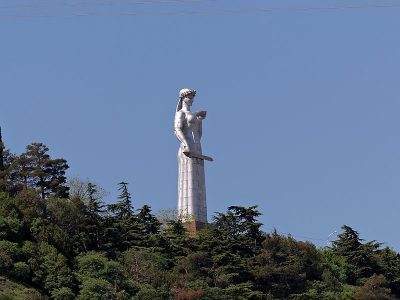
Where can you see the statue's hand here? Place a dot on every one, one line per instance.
(186, 149)
(201, 114)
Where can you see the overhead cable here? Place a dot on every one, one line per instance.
(207, 12)
(33, 5)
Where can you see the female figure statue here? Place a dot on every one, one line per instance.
(192, 206)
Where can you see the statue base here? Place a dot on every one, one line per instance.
(193, 227)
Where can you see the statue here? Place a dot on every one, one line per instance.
(192, 206)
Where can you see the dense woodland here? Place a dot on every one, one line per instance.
(59, 240)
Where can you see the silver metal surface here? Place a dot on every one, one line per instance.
(192, 204)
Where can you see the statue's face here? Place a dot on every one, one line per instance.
(188, 100)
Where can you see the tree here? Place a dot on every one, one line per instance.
(150, 223)
(5, 160)
(243, 291)
(231, 241)
(49, 268)
(87, 198)
(19, 173)
(145, 267)
(389, 261)
(95, 206)
(10, 253)
(174, 241)
(63, 226)
(195, 266)
(238, 230)
(87, 192)
(284, 266)
(96, 288)
(122, 227)
(149, 227)
(147, 292)
(10, 228)
(6, 182)
(374, 289)
(63, 293)
(101, 278)
(35, 168)
(123, 209)
(361, 260)
(2, 148)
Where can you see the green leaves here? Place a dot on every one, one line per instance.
(36, 169)
(96, 288)
(360, 259)
(101, 278)
(78, 248)
(49, 267)
(238, 231)
(284, 265)
(9, 254)
(10, 228)
(145, 267)
(243, 291)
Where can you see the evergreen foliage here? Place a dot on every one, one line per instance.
(60, 241)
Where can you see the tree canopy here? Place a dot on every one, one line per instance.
(59, 240)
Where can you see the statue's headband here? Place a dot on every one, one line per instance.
(186, 92)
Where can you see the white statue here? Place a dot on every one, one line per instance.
(192, 206)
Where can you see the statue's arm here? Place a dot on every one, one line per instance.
(201, 115)
(178, 129)
(201, 129)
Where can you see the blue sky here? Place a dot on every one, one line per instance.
(302, 105)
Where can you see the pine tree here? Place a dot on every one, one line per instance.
(239, 230)
(95, 206)
(150, 223)
(36, 169)
(94, 215)
(123, 209)
(284, 265)
(360, 258)
(123, 229)
(389, 260)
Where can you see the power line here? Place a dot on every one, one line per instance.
(206, 12)
(28, 5)
(327, 240)
(298, 236)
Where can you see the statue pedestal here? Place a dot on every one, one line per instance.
(193, 227)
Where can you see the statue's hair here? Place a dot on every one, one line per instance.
(182, 94)
(179, 106)
(186, 92)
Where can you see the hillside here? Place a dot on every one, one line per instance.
(60, 237)
(10, 290)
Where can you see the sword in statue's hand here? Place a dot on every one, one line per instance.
(198, 156)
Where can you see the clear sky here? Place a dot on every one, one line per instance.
(303, 105)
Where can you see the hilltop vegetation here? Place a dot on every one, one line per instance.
(60, 241)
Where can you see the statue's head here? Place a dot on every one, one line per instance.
(187, 96)
(187, 93)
